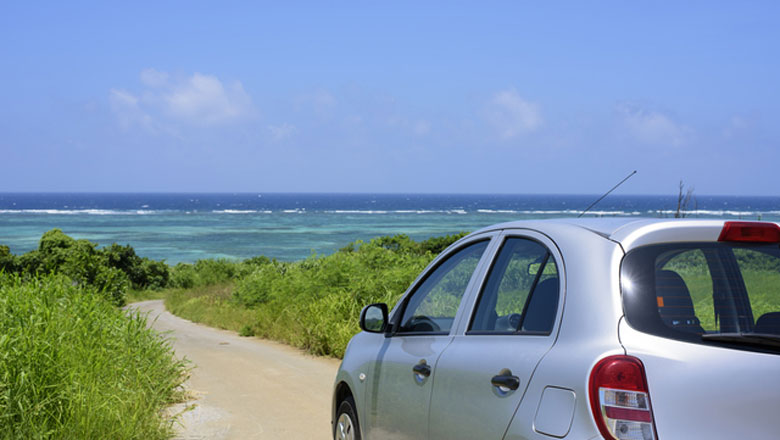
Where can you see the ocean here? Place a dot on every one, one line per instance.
(186, 227)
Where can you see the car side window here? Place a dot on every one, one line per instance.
(432, 307)
(521, 291)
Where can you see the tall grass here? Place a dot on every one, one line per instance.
(210, 305)
(73, 366)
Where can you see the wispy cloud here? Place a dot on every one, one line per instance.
(196, 100)
(127, 110)
(652, 127)
(512, 115)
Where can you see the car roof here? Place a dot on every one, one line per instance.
(628, 231)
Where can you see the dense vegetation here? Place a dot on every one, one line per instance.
(72, 364)
(111, 270)
(312, 304)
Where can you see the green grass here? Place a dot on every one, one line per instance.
(74, 366)
(210, 305)
(312, 304)
(144, 295)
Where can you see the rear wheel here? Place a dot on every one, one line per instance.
(347, 427)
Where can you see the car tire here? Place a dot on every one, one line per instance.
(346, 426)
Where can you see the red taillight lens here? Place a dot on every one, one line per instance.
(752, 232)
(620, 400)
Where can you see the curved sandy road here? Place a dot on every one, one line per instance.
(247, 388)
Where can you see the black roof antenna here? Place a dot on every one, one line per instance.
(606, 194)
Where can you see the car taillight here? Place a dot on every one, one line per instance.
(752, 232)
(620, 400)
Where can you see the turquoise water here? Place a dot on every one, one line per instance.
(187, 227)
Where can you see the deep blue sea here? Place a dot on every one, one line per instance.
(186, 227)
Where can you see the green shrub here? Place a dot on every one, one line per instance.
(246, 330)
(74, 366)
(213, 272)
(183, 276)
(7, 260)
(156, 274)
(111, 270)
(314, 303)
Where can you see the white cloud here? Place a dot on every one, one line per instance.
(127, 110)
(653, 127)
(197, 100)
(202, 99)
(281, 132)
(512, 115)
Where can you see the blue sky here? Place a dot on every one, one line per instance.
(496, 97)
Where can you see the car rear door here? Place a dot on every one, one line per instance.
(399, 382)
(483, 373)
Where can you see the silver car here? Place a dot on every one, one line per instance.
(577, 329)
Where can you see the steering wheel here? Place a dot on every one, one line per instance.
(422, 323)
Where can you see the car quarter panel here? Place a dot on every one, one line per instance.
(699, 391)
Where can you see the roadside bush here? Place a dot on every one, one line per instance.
(213, 272)
(74, 366)
(111, 270)
(183, 276)
(156, 274)
(314, 303)
(257, 287)
(7, 260)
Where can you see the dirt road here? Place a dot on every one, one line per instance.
(247, 388)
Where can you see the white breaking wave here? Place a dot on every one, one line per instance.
(398, 211)
(354, 211)
(555, 212)
(241, 211)
(75, 211)
(715, 213)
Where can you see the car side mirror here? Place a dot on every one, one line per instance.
(373, 318)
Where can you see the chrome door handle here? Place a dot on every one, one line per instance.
(506, 381)
(422, 369)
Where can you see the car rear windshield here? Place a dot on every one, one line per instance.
(710, 293)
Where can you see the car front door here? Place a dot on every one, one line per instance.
(483, 373)
(400, 380)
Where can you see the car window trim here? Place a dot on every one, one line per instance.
(502, 239)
